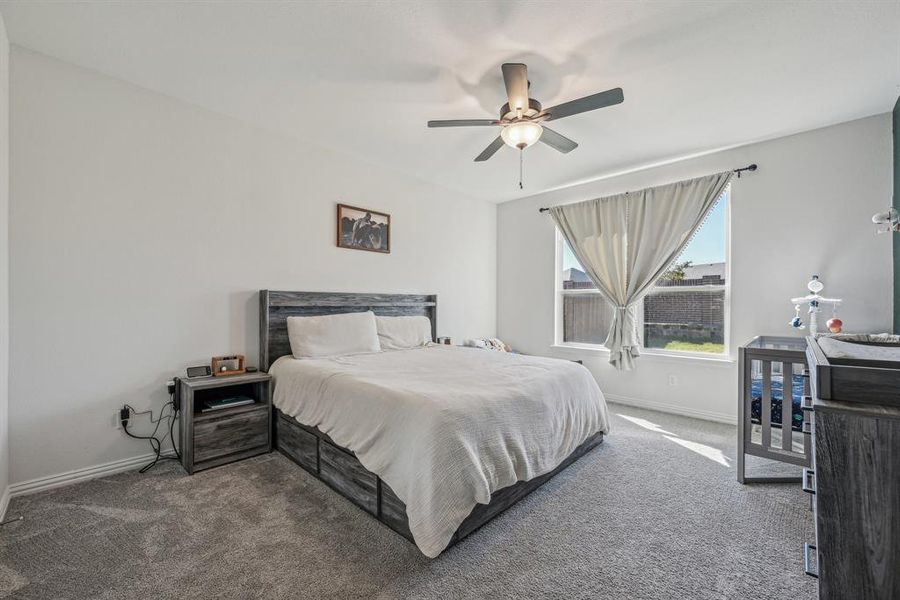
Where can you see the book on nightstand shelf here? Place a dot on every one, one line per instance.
(220, 403)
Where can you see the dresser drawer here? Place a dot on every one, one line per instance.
(238, 431)
(346, 474)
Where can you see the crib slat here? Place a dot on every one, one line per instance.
(765, 403)
(748, 395)
(787, 404)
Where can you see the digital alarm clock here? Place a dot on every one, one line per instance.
(201, 371)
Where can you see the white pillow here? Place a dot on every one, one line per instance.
(333, 335)
(399, 333)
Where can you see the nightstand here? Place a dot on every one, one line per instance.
(217, 437)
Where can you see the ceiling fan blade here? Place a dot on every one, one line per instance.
(490, 150)
(557, 141)
(463, 123)
(592, 102)
(515, 76)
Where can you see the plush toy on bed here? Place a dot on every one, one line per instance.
(489, 344)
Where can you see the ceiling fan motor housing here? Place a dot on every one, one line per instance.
(533, 110)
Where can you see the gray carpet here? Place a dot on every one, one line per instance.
(652, 513)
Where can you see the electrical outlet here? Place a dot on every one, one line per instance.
(673, 380)
(119, 414)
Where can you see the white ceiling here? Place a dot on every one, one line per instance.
(364, 77)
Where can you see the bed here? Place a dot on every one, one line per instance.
(432, 441)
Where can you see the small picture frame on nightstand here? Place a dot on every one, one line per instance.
(227, 366)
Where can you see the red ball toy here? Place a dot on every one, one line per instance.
(834, 325)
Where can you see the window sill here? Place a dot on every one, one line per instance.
(715, 359)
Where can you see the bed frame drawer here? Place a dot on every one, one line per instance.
(228, 434)
(342, 471)
(301, 446)
(393, 512)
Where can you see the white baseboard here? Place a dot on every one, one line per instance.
(61, 479)
(4, 503)
(674, 409)
(127, 464)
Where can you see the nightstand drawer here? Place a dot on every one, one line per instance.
(236, 431)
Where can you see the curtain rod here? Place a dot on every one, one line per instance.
(750, 168)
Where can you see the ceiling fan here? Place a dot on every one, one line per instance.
(522, 118)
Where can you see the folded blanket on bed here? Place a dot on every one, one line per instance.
(445, 426)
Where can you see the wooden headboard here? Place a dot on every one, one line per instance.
(275, 307)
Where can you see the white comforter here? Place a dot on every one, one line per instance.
(445, 426)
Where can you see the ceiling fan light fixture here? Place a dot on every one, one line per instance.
(521, 134)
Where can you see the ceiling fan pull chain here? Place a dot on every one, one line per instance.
(521, 168)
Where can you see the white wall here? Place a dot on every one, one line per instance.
(806, 210)
(142, 227)
(4, 267)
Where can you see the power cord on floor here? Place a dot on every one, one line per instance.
(128, 412)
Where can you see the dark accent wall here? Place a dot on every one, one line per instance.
(896, 236)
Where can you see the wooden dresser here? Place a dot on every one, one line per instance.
(855, 477)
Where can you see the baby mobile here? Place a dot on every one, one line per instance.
(813, 300)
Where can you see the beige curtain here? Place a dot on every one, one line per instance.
(626, 242)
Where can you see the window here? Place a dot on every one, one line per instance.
(686, 311)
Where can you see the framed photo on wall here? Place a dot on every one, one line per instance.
(363, 229)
